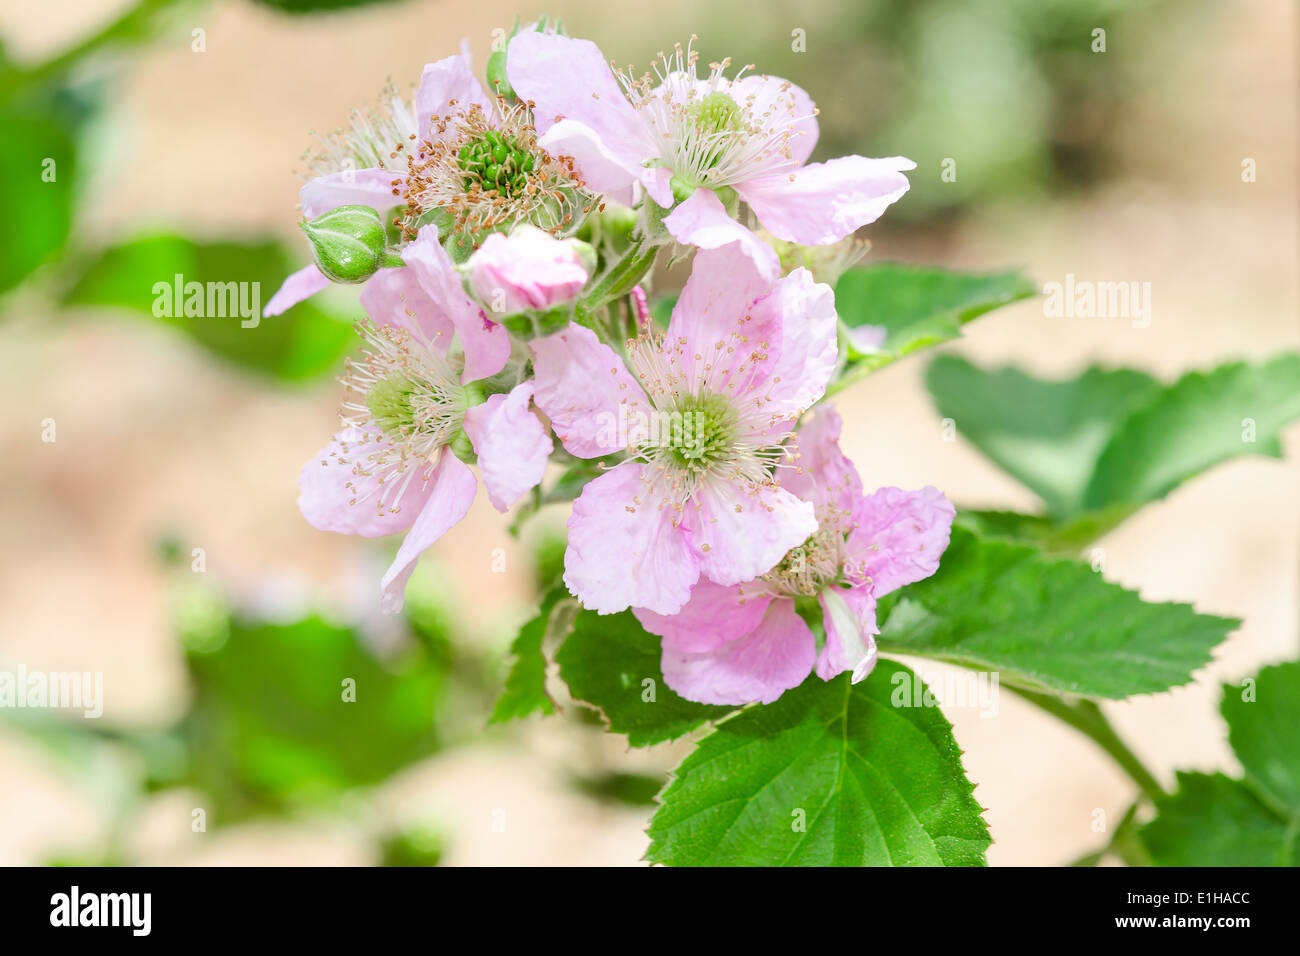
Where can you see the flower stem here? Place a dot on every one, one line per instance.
(1087, 718)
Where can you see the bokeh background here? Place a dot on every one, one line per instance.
(220, 686)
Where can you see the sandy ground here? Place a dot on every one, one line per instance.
(153, 436)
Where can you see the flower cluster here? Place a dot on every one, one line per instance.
(505, 239)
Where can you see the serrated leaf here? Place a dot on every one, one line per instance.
(1263, 728)
(918, 306)
(612, 662)
(1194, 424)
(525, 688)
(1046, 624)
(1057, 539)
(141, 275)
(1215, 821)
(832, 774)
(1046, 434)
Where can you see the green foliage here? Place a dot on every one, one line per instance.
(37, 176)
(525, 690)
(612, 662)
(141, 275)
(832, 774)
(1097, 447)
(919, 307)
(1046, 624)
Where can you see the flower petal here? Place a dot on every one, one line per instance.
(900, 536)
(300, 286)
(825, 476)
(775, 657)
(486, 344)
(824, 202)
(326, 491)
(447, 88)
(702, 221)
(566, 78)
(741, 531)
(350, 187)
(584, 388)
(714, 615)
(395, 297)
(777, 104)
(809, 342)
(849, 615)
(603, 170)
(625, 549)
(450, 496)
(511, 443)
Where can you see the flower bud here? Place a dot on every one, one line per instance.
(528, 271)
(348, 243)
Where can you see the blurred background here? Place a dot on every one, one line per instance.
(157, 539)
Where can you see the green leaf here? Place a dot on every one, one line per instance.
(1058, 539)
(1046, 434)
(316, 6)
(1194, 424)
(1216, 821)
(525, 690)
(1046, 624)
(1262, 728)
(612, 662)
(141, 275)
(271, 728)
(918, 306)
(832, 774)
(37, 208)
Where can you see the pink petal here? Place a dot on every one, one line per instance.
(395, 297)
(583, 387)
(702, 221)
(326, 500)
(486, 344)
(809, 342)
(849, 615)
(760, 666)
(740, 531)
(779, 104)
(350, 187)
(824, 476)
(569, 79)
(602, 170)
(301, 285)
(713, 616)
(451, 494)
(511, 444)
(900, 536)
(824, 202)
(448, 88)
(625, 548)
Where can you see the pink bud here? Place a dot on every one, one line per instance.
(529, 270)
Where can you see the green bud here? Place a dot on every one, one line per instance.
(526, 326)
(348, 242)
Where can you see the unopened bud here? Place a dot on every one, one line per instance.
(348, 243)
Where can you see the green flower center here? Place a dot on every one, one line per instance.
(389, 401)
(717, 113)
(702, 432)
(496, 162)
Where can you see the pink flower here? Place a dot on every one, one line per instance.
(752, 134)
(703, 412)
(529, 270)
(407, 419)
(736, 645)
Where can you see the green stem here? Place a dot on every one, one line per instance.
(1087, 718)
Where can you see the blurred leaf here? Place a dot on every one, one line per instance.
(1215, 821)
(417, 846)
(37, 173)
(832, 774)
(1262, 728)
(627, 789)
(1057, 539)
(1046, 434)
(316, 6)
(918, 306)
(236, 280)
(1194, 424)
(270, 728)
(612, 662)
(525, 690)
(1046, 624)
